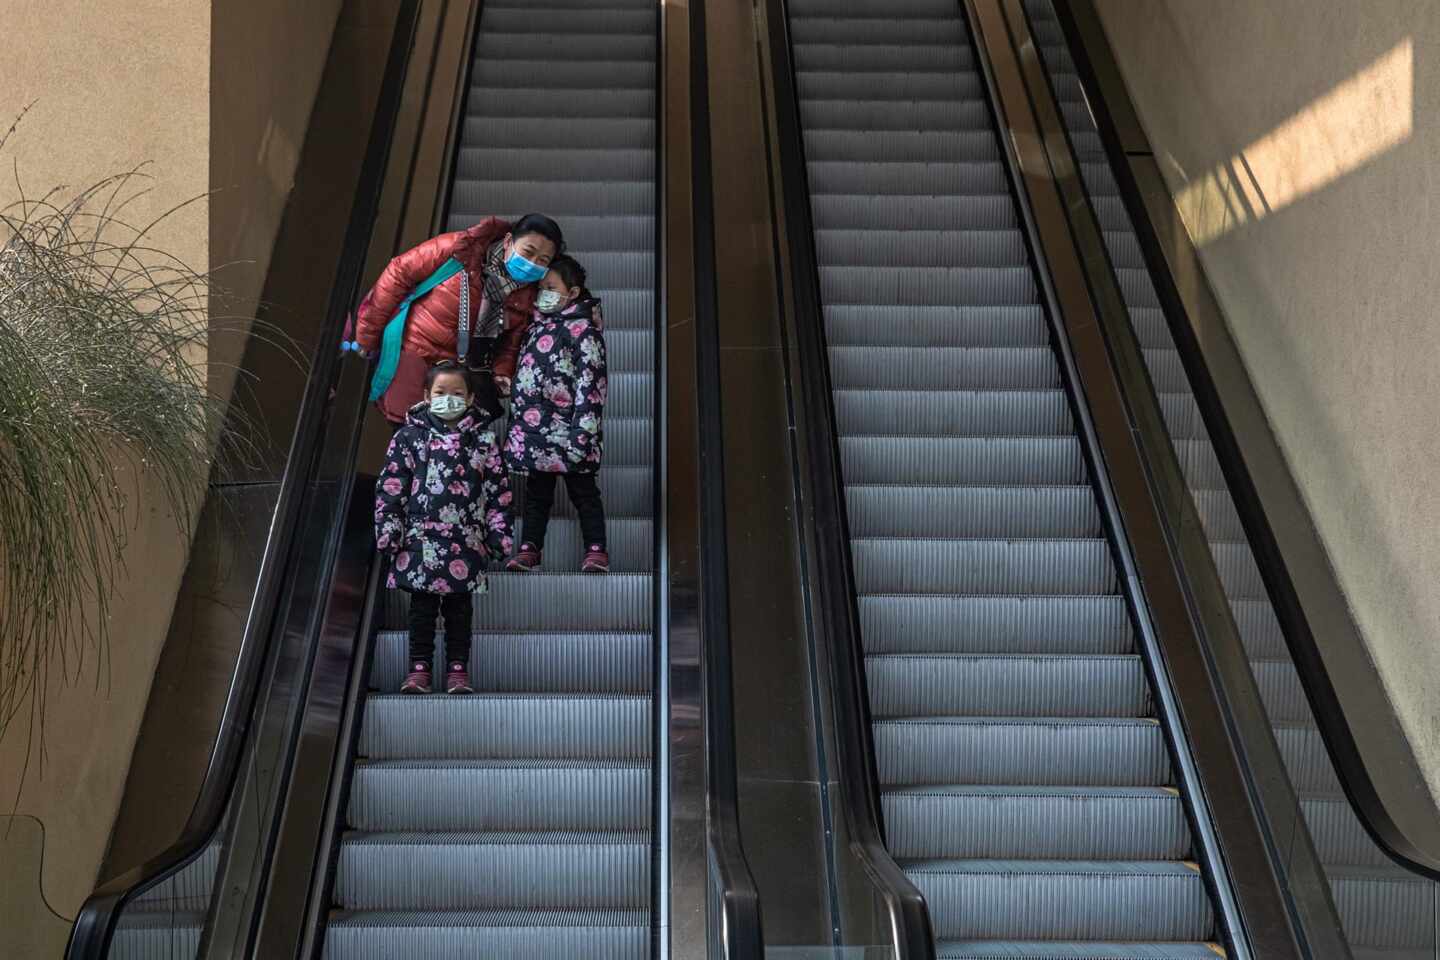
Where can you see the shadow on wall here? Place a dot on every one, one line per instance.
(1313, 224)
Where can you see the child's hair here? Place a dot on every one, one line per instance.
(570, 271)
(448, 366)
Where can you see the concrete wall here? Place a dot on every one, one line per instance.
(212, 96)
(1302, 143)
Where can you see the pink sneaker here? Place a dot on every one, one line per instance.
(596, 560)
(419, 679)
(457, 679)
(525, 560)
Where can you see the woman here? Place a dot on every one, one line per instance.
(501, 262)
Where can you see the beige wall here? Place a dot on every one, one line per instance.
(116, 83)
(1302, 142)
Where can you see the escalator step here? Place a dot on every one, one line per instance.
(882, 59)
(1306, 759)
(532, 133)
(862, 8)
(607, 48)
(1280, 689)
(531, 662)
(903, 84)
(952, 413)
(625, 199)
(610, 18)
(919, 286)
(584, 236)
(547, 934)
(499, 727)
(480, 871)
(1022, 326)
(1384, 907)
(861, 210)
(1042, 823)
(943, 368)
(1017, 625)
(1000, 567)
(905, 179)
(1075, 950)
(919, 248)
(1127, 752)
(1064, 899)
(990, 685)
(893, 115)
(1338, 836)
(526, 601)
(626, 92)
(955, 460)
(963, 512)
(570, 165)
(471, 796)
(866, 30)
(149, 934)
(189, 888)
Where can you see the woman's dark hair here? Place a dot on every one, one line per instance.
(541, 224)
(448, 366)
(570, 270)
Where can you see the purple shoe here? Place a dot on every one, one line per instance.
(419, 679)
(525, 560)
(457, 679)
(596, 560)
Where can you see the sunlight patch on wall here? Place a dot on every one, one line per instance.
(1362, 118)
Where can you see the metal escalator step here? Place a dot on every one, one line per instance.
(1137, 288)
(861, 8)
(862, 210)
(577, 19)
(628, 198)
(547, 934)
(530, 662)
(1064, 899)
(1337, 833)
(479, 871)
(1259, 629)
(548, 46)
(919, 248)
(1198, 462)
(1384, 907)
(971, 511)
(1124, 249)
(809, 28)
(1182, 416)
(1010, 685)
(629, 540)
(525, 601)
(1075, 950)
(999, 567)
(952, 413)
(1238, 570)
(1127, 752)
(1043, 823)
(1110, 211)
(902, 84)
(498, 727)
(149, 934)
(921, 286)
(888, 115)
(630, 394)
(498, 98)
(629, 441)
(1218, 515)
(909, 179)
(529, 6)
(1166, 371)
(628, 350)
(1037, 625)
(597, 133)
(470, 796)
(571, 165)
(882, 58)
(1022, 326)
(1281, 692)
(189, 888)
(943, 368)
(1306, 759)
(955, 460)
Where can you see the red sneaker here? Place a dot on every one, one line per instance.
(457, 679)
(525, 560)
(419, 679)
(596, 560)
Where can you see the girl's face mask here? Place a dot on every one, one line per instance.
(550, 301)
(449, 406)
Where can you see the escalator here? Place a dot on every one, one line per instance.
(517, 821)
(1026, 785)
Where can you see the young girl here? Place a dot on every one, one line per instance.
(442, 511)
(555, 415)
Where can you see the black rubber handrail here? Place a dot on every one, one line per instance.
(1360, 788)
(835, 610)
(739, 926)
(94, 927)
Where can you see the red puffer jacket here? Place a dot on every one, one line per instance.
(434, 321)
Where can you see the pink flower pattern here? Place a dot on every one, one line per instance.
(559, 393)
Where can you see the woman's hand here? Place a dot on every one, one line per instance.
(502, 384)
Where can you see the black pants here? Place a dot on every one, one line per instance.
(584, 490)
(455, 607)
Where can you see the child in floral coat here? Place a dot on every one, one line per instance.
(556, 409)
(442, 512)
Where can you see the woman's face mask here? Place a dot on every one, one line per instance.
(522, 268)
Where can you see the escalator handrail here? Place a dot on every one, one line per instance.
(94, 926)
(835, 607)
(739, 924)
(1361, 791)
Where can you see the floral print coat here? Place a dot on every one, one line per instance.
(558, 398)
(442, 503)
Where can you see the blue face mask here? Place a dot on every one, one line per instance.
(522, 270)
